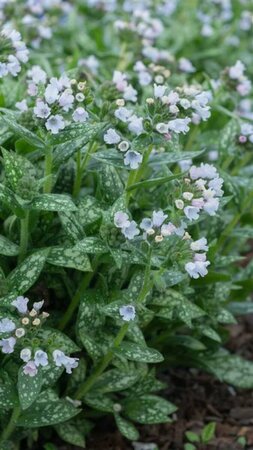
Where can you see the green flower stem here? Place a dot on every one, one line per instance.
(87, 385)
(7, 432)
(78, 177)
(77, 297)
(232, 224)
(48, 171)
(24, 236)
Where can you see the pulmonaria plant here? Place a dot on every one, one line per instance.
(14, 52)
(26, 330)
(126, 204)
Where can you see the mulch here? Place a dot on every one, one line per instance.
(200, 399)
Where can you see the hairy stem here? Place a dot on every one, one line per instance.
(105, 361)
(7, 432)
(24, 236)
(78, 177)
(48, 171)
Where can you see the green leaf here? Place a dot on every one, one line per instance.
(8, 198)
(148, 409)
(71, 225)
(111, 183)
(92, 245)
(230, 369)
(25, 275)
(8, 248)
(89, 211)
(71, 257)
(139, 353)
(115, 380)
(28, 388)
(11, 120)
(70, 433)
(99, 402)
(52, 202)
(208, 432)
(73, 138)
(228, 137)
(189, 446)
(16, 168)
(192, 437)
(47, 410)
(8, 394)
(57, 339)
(153, 182)
(126, 428)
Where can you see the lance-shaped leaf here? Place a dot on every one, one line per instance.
(71, 434)
(11, 120)
(8, 198)
(73, 138)
(16, 167)
(139, 353)
(26, 274)
(8, 248)
(8, 393)
(111, 183)
(52, 202)
(126, 428)
(47, 410)
(230, 369)
(71, 225)
(72, 257)
(57, 340)
(29, 387)
(92, 245)
(148, 409)
(115, 380)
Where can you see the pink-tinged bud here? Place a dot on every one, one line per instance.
(167, 136)
(242, 139)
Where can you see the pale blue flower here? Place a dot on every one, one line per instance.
(7, 325)
(8, 345)
(127, 312)
(21, 304)
(40, 358)
(131, 231)
(132, 159)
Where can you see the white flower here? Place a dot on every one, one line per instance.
(203, 171)
(41, 110)
(123, 146)
(130, 94)
(13, 65)
(112, 137)
(30, 369)
(179, 125)
(144, 78)
(21, 304)
(200, 244)
(22, 106)
(236, 72)
(8, 345)
(37, 74)
(121, 220)
(197, 268)
(51, 93)
(119, 79)
(20, 332)
(58, 357)
(80, 115)
(123, 114)
(55, 124)
(211, 206)
(216, 185)
(192, 212)
(159, 91)
(158, 217)
(61, 359)
(3, 69)
(25, 354)
(131, 231)
(186, 65)
(66, 100)
(7, 325)
(40, 358)
(38, 305)
(127, 312)
(136, 125)
(146, 224)
(132, 159)
(162, 128)
(168, 229)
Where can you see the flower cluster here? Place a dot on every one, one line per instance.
(240, 81)
(198, 266)
(14, 52)
(18, 332)
(57, 101)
